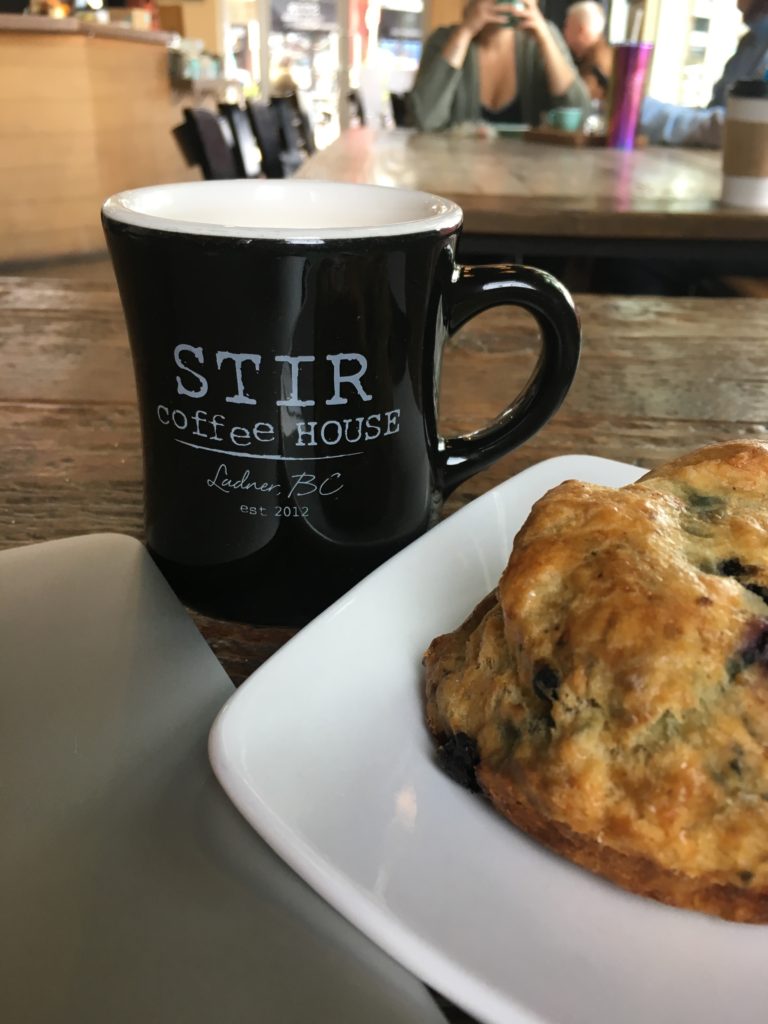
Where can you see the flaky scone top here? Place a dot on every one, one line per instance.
(621, 682)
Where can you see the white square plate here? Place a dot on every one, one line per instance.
(324, 750)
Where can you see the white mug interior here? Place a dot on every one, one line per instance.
(293, 210)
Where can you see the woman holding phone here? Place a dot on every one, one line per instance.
(504, 62)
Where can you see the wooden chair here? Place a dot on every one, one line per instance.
(356, 106)
(293, 152)
(246, 149)
(400, 108)
(188, 142)
(209, 139)
(266, 127)
(295, 124)
(307, 130)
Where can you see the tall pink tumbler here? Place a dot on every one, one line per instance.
(630, 68)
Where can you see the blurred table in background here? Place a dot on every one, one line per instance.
(522, 198)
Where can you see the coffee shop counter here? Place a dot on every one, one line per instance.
(87, 111)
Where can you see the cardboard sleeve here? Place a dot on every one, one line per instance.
(745, 149)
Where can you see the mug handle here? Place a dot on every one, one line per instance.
(475, 289)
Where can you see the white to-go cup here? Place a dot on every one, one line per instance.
(745, 148)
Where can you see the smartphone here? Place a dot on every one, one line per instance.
(512, 18)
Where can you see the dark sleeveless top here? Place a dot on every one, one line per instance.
(511, 114)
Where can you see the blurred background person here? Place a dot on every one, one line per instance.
(584, 32)
(284, 84)
(751, 57)
(490, 69)
(703, 126)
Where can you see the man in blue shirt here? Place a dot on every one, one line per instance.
(751, 57)
(697, 126)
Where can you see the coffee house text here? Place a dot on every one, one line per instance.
(340, 374)
(307, 434)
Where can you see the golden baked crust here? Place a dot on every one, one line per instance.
(612, 697)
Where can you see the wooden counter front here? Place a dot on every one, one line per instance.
(86, 112)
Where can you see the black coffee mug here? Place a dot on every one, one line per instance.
(286, 338)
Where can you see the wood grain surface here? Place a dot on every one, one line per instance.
(658, 377)
(507, 186)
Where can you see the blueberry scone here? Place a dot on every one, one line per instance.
(611, 696)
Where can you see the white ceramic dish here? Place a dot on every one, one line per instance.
(324, 751)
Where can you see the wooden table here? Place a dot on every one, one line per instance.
(658, 377)
(532, 198)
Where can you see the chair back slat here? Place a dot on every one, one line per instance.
(246, 148)
(205, 136)
(266, 127)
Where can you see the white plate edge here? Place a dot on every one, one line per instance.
(383, 927)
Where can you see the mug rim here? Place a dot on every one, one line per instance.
(138, 208)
